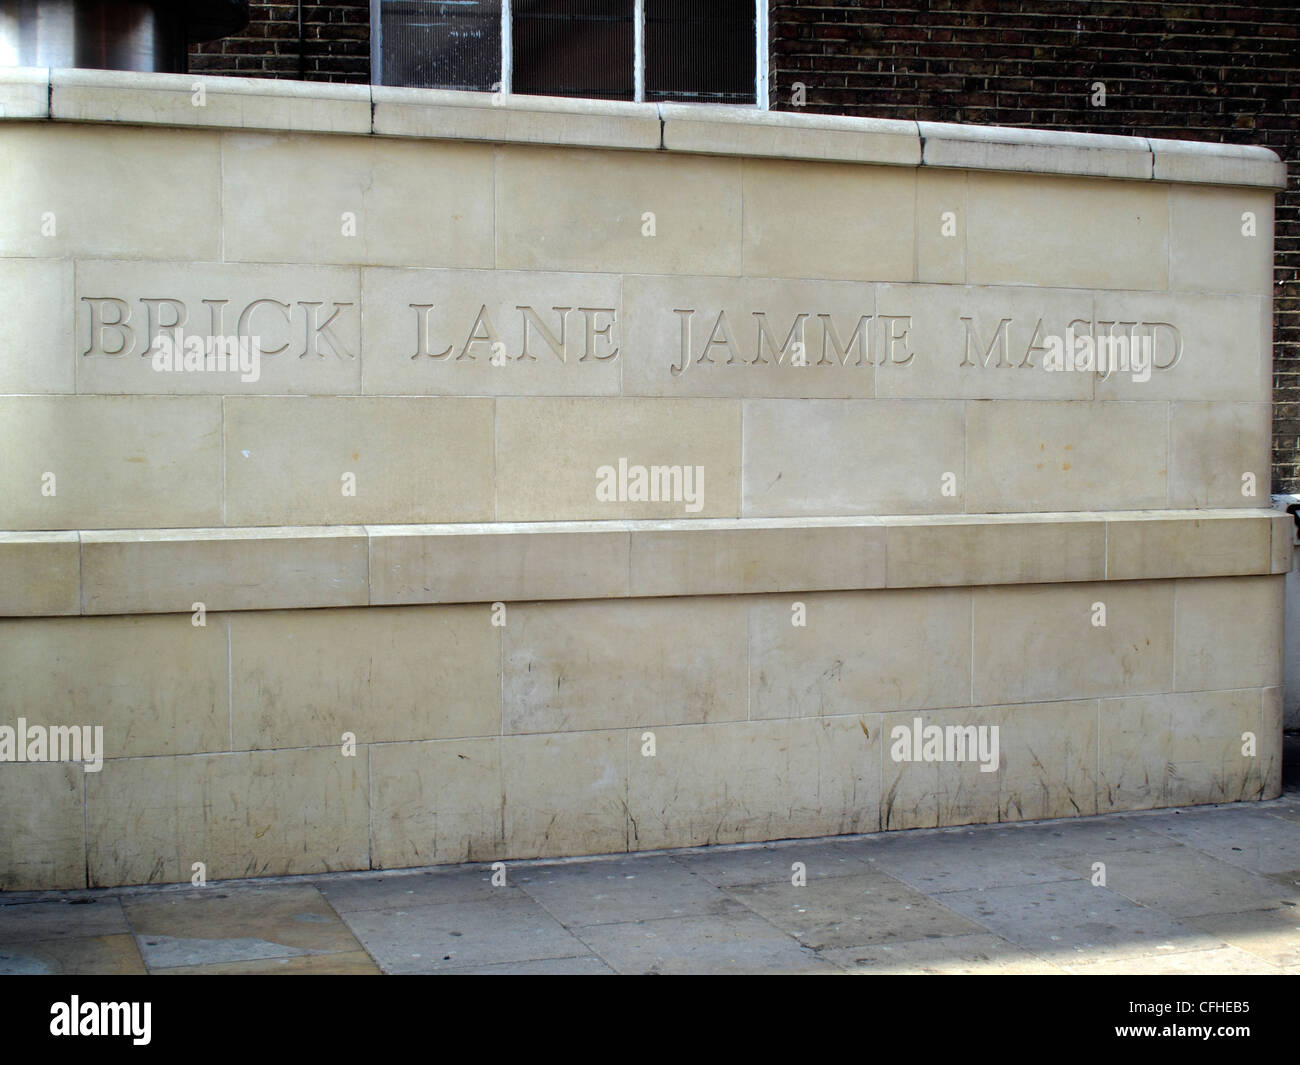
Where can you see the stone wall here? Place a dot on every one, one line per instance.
(398, 599)
(1212, 72)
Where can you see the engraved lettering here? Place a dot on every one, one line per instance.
(531, 321)
(591, 332)
(315, 331)
(246, 315)
(685, 316)
(488, 336)
(99, 326)
(860, 336)
(422, 332)
(765, 337)
(971, 338)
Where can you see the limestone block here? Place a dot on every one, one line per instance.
(723, 336)
(563, 459)
(746, 556)
(1040, 151)
(434, 332)
(1207, 163)
(1046, 456)
(109, 462)
(941, 226)
(755, 780)
(39, 574)
(849, 651)
(502, 562)
(251, 813)
(1178, 750)
(1229, 633)
(958, 550)
(565, 794)
(158, 571)
(978, 342)
(1219, 454)
(1219, 347)
(1040, 642)
(155, 685)
(36, 331)
(304, 678)
(1150, 546)
(143, 326)
(726, 130)
(436, 802)
(109, 192)
(603, 665)
(1220, 240)
(43, 845)
(1066, 232)
(194, 100)
(830, 457)
(586, 210)
(1042, 761)
(372, 201)
(829, 220)
(451, 115)
(411, 460)
(25, 92)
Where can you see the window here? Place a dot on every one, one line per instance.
(656, 50)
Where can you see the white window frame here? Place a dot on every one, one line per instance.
(638, 59)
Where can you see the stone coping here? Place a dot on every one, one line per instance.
(289, 106)
(147, 571)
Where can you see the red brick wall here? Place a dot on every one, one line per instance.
(1216, 72)
(335, 46)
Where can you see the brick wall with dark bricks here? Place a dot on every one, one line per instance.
(1218, 72)
(334, 46)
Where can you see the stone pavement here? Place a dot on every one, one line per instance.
(1198, 890)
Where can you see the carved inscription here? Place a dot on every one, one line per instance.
(304, 328)
(578, 332)
(592, 340)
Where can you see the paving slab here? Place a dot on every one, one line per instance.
(732, 941)
(1216, 961)
(1063, 920)
(115, 955)
(589, 965)
(973, 954)
(1270, 935)
(487, 932)
(26, 920)
(937, 863)
(213, 926)
(847, 911)
(1256, 839)
(770, 864)
(348, 963)
(1184, 882)
(636, 889)
(407, 888)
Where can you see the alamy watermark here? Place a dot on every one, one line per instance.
(1103, 356)
(196, 354)
(53, 743)
(946, 743)
(651, 484)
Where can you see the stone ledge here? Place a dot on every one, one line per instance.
(446, 114)
(1035, 151)
(166, 571)
(25, 93)
(228, 103)
(255, 103)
